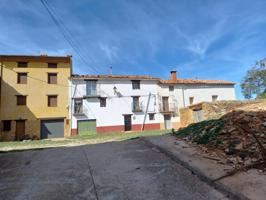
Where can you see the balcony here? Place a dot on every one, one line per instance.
(137, 107)
(94, 94)
(92, 91)
(168, 108)
(79, 111)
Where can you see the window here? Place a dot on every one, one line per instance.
(171, 88)
(21, 100)
(22, 64)
(52, 65)
(151, 116)
(135, 85)
(78, 106)
(91, 88)
(6, 125)
(102, 102)
(191, 100)
(214, 97)
(136, 105)
(52, 78)
(52, 100)
(22, 78)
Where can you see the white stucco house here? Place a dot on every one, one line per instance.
(111, 103)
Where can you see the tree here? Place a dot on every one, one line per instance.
(254, 83)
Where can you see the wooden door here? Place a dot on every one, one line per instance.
(20, 129)
(128, 124)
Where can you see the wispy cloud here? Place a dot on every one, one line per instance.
(210, 39)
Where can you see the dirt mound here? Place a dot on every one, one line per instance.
(238, 136)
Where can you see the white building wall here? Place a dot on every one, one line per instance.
(117, 105)
(200, 93)
(120, 104)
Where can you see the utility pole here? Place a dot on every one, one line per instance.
(146, 111)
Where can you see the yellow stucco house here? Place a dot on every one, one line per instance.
(34, 96)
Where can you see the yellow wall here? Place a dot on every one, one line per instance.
(36, 90)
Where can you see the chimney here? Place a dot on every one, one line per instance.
(173, 75)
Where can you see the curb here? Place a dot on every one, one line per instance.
(216, 185)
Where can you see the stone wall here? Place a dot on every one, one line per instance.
(212, 110)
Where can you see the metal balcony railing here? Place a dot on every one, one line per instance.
(79, 111)
(168, 107)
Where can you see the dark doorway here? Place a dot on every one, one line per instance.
(20, 129)
(128, 124)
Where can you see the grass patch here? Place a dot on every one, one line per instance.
(76, 140)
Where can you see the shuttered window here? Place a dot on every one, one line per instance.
(52, 78)
(52, 65)
(21, 100)
(22, 78)
(52, 100)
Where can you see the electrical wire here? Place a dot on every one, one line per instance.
(65, 32)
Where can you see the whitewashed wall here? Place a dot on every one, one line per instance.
(201, 93)
(116, 107)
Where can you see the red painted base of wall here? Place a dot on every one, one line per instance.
(74, 131)
(120, 128)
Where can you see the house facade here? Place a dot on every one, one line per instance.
(107, 103)
(34, 96)
(175, 94)
(113, 103)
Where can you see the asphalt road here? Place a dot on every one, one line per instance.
(117, 170)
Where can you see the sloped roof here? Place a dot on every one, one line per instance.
(133, 77)
(35, 58)
(196, 81)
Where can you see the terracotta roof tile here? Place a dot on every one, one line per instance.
(114, 77)
(196, 81)
(35, 58)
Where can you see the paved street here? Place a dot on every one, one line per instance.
(117, 170)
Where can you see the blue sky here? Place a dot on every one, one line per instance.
(199, 38)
